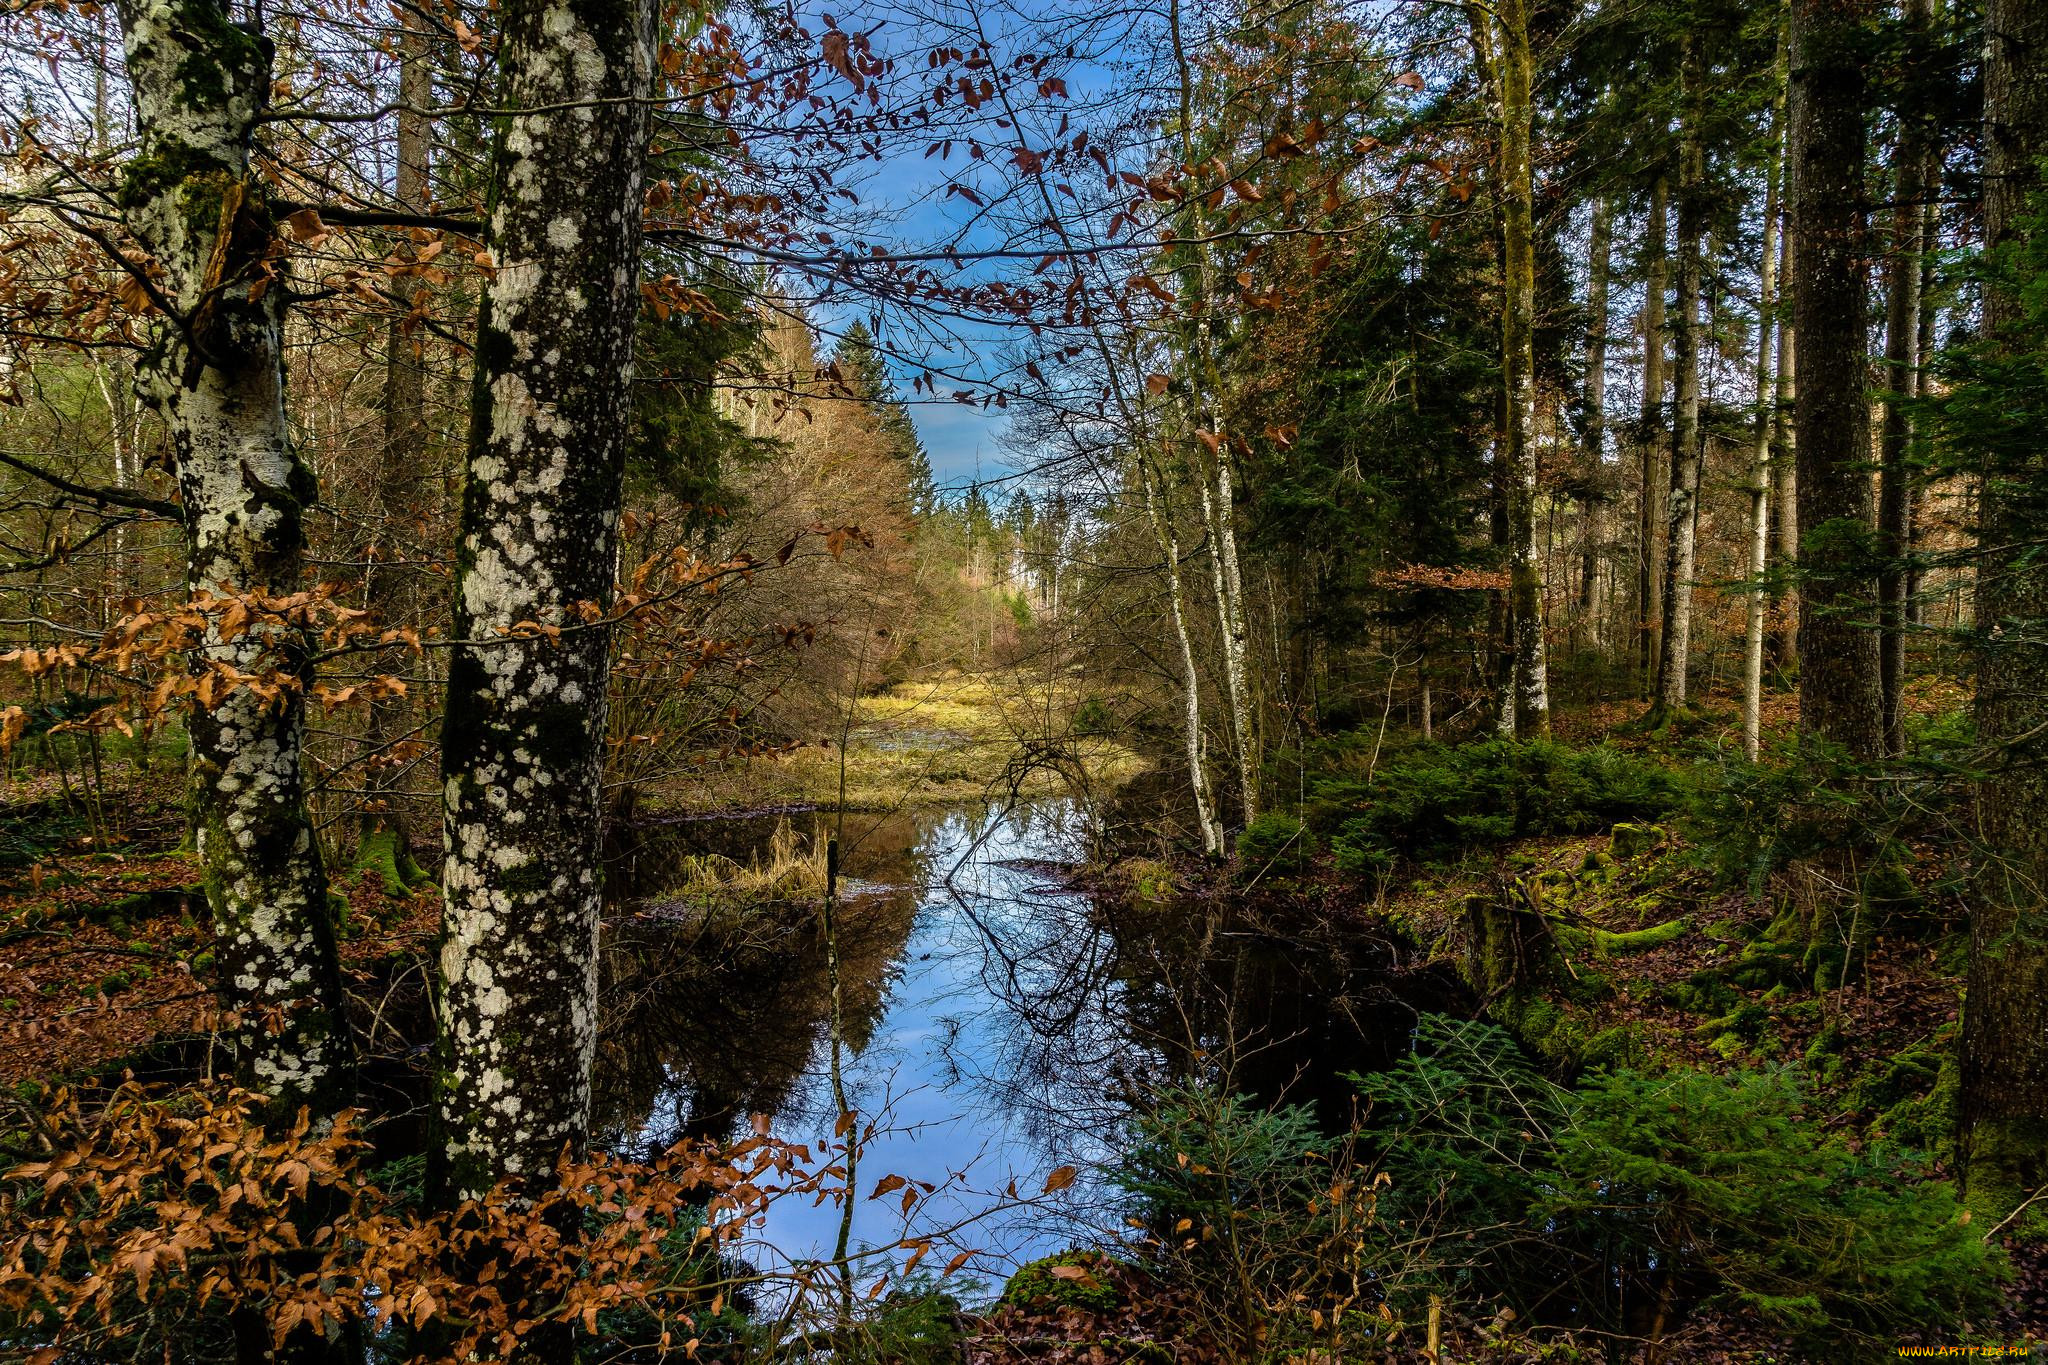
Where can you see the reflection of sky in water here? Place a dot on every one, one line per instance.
(990, 1062)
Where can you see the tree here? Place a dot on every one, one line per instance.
(2004, 1102)
(864, 375)
(1674, 651)
(1525, 710)
(215, 375)
(523, 734)
(1902, 370)
(1839, 697)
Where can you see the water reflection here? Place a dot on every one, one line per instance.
(982, 1009)
(999, 1022)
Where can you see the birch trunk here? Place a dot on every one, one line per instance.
(1760, 449)
(2004, 1103)
(1839, 697)
(1218, 474)
(1902, 368)
(1681, 542)
(1650, 509)
(1161, 517)
(523, 738)
(216, 378)
(1593, 480)
(1784, 642)
(1529, 685)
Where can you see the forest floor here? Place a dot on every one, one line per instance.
(948, 740)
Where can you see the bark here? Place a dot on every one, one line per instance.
(1902, 370)
(403, 482)
(1838, 684)
(1161, 517)
(216, 378)
(523, 737)
(1593, 478)
(1218, 472)
(1650, 523)
(2004, 1103)
(1528, 681)
(1674, 649)
(1784, 641)
(1760, 448)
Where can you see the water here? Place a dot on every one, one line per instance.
(998, 1023)
(985, 1030)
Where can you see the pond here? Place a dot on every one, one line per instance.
(985, 1032)
(998, 1023)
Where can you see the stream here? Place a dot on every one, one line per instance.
(985, 1026)
(998, 1024)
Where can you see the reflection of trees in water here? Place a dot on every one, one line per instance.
(1059, 1011)
(1268, 998)
(716, 1011)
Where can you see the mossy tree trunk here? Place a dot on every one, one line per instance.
(216, 377)
(1839, 696)
(523, 736)
(2004, 1103)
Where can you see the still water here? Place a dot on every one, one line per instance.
(986, 1031)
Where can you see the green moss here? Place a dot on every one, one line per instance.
(384, 852)
(169, 164)
(1092, 1290)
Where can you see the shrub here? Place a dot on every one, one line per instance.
(1692, 1188)
(1436, 803)
(1275, 844)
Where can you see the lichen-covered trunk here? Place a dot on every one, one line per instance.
(2004, 1103)
(1593, 475)
(1760, 445)
(523, 737)
(1528, 681)
(1655, 483)
(1838, 680)
(1902, 371)
(216, 377)
(1674, 654)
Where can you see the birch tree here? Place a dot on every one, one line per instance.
(1674, 646)
(1760, 462)
(1526, 708)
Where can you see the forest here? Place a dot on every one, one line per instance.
(966, 683)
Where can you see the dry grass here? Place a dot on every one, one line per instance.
(793, 869)
(943, 741)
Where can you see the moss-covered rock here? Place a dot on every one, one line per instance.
(1071, 1279)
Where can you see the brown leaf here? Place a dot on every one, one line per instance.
(839, 56)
